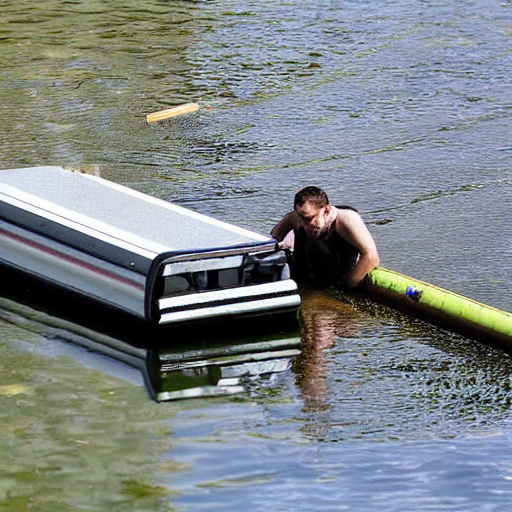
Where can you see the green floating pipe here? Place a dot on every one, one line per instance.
(441, 306)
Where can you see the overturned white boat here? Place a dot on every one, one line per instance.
(147, 257)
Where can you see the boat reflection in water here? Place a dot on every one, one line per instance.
(210, 359)
(224, 369)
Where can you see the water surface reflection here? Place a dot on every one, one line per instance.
(323, 321)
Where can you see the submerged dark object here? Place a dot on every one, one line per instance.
(140, 255)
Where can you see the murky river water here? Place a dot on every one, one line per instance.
(402, 109)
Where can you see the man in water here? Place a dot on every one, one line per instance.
(329, 245)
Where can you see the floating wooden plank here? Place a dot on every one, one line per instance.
(167, 113)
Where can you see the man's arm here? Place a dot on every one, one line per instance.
(284, 226)
(352, 228)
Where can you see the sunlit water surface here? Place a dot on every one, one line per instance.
(401, 109)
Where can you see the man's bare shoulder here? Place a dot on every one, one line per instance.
(351, 226)
(348, 217)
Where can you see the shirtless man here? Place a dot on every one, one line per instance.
(329, 245)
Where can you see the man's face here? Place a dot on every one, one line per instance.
(313, 218)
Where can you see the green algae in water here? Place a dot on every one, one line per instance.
(78, 439)
(19, 504)
(141, 490)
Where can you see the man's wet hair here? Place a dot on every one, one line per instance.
(311, 194)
